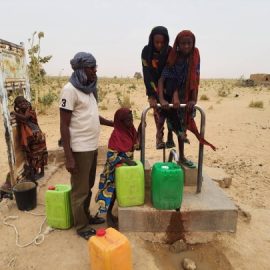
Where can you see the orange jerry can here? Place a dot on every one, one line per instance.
(109, 250)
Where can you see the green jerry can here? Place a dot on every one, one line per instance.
(167, 185)
(58, 207)
(129, 182)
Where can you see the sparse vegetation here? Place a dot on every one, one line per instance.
(138, 75)
(120, 91)
(223, 92)
(125, 101)
(46, 101)
(241, 81)
(35, 68)
(101, 94)
(135, 115)
(103, 107)
(204, 97)
(256, 104)
(219, 101)
(133, 86)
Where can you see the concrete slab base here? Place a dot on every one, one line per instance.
(190, 175)
(56, 156)
(147, 174)
(209, 211)
(191, 238)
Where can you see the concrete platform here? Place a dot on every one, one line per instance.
(209, 211)
(190, 175)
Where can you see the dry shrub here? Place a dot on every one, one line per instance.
(133, 86)
(101, 94)
(223, 92)
(256, 104)
(204, 97)
(135, 115)
(219, 101)
(103, 107)
(125, 101)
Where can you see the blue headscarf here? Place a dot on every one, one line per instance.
(78, 78)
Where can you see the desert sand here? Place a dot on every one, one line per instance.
(240, 133)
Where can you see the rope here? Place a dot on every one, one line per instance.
(38, 239)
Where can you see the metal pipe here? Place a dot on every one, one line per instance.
(173, 153)
(173, 156)
(201, 148)
(143, 124)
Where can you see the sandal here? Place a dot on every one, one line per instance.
(6, 187)
(96, 220)
(38, 176)
(188, 163)
(137, 147)
(160, 145)
(87, 234)
(6, 195)
(170, 144)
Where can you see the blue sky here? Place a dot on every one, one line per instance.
(233, 36)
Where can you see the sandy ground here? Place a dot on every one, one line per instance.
(242, 136)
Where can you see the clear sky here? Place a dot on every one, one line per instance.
(233, 35)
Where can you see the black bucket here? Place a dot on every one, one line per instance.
(26, 195)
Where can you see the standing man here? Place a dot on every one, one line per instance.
(80, 128)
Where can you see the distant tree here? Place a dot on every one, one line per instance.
(138, 75)
(35, 67)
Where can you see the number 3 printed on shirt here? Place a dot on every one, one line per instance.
(64, 101)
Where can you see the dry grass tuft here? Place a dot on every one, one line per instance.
(204, 97)
(256, 104)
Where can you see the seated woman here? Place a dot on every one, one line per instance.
(32, 139)
(120, 150)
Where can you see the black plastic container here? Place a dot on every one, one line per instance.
(25, 195)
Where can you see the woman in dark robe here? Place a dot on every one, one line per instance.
(154, 58)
